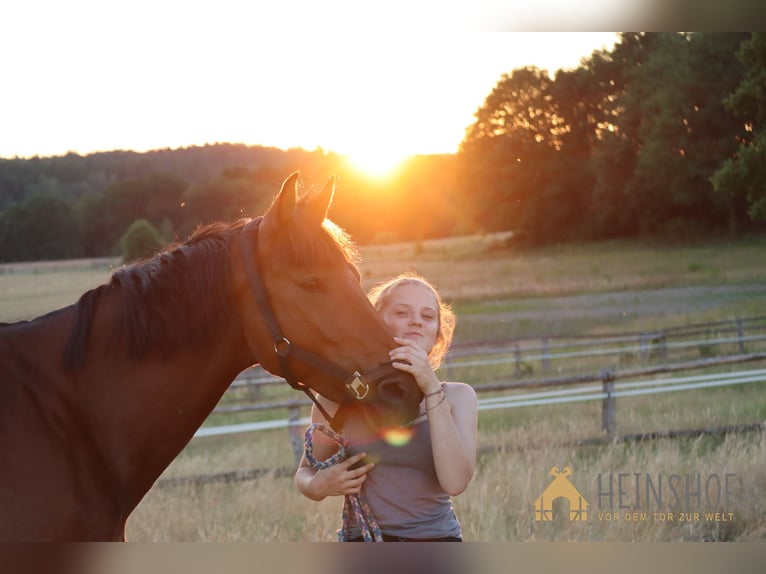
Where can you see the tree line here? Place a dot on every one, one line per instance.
(661, 135)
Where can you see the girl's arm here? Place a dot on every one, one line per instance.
(336, 480)
(452, 417)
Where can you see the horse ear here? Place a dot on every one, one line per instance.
(283, 205)
(317, 204)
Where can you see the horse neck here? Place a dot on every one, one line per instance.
(143, 411)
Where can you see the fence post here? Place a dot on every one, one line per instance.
(608, 405)
(740, 335)
(546, 355)
(663, 343)
(253, 390)
(517, 355)
(295, 430)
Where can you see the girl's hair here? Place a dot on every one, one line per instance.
(380, 294)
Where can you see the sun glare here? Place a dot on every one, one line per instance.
(397, 436)
(376, 163)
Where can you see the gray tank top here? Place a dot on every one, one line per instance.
(403, 491)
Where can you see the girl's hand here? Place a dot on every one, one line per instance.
(340, 479)
(413, 359)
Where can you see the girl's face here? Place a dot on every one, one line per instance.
(412, 312)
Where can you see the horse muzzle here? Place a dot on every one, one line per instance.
(393, 391)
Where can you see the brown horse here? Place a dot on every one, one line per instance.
(97, 398)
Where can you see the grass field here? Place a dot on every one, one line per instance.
(483, 279)
(501, 293)
(518, 448)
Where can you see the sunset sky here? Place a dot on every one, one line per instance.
(87, 76)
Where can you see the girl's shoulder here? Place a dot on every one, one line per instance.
(459, 390)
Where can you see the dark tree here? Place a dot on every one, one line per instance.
(41, 227)
(742, 177)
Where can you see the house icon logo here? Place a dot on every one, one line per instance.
(561, 488)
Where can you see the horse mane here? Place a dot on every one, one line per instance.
(165, 298)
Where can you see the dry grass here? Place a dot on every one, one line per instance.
(28, 290)
(477, 270)
(497, 506)
(465, 270)
(519, 447)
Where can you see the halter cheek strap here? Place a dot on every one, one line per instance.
(357, 385)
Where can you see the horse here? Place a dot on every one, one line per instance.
(97, 398)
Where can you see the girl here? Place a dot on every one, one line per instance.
(407, 474)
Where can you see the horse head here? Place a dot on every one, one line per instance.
(317, 327)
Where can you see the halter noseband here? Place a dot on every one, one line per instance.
(357, 384)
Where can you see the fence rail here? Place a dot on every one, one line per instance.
(601, 376)
(646, 345)
(565, 395)
(738, 335)
(503, 367)
(658, 345)
(547, 341)
(612, 385)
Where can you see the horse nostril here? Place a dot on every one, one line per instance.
(392, 392)
(401, 397)
(398, 392)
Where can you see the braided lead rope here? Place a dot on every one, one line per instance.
(353, 503)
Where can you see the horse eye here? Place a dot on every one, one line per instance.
(311, 284)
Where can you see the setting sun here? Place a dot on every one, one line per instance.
(376, 163)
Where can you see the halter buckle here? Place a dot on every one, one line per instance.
(358, 386)
(282, 347)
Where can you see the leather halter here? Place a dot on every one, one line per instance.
(357, 384)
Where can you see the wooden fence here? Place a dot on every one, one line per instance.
(502, 367)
